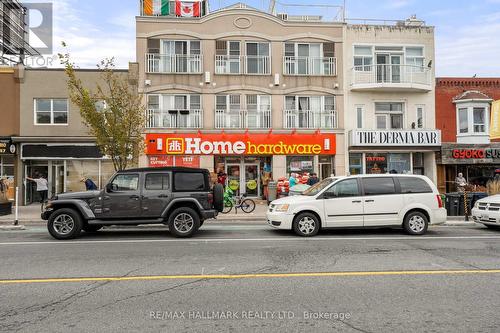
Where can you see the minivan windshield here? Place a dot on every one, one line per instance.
(318, 187)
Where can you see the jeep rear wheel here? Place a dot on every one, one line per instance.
(65, 223)
(184, 222)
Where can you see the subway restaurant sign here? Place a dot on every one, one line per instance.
(240, 144)
(395, 138)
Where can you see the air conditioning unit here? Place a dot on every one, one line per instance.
(208, 78)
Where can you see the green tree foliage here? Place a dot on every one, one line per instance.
(112, 111)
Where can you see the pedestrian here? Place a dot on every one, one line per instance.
(42, 187)
(460, 182)
(293, 180)
(313, 179)
(89, 184)
(221, 178)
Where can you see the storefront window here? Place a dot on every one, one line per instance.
(78, 169)
(326, 166)
(300, 164)
(376, 163)
(7, 175)
(399, 163)
(355, 164)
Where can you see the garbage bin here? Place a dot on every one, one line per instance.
(453, 204)
(272, 191)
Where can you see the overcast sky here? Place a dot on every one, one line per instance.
(467, 32)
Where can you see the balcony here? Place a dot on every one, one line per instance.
(236, 65)
(238, 119)
(391, 78)
(174, 63)
(310, 119)
(309, 66)
(174, 119)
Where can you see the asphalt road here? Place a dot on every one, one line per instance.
(249, 278)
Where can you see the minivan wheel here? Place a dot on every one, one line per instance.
(306, 225)
(65, 223)
(184, 222)
(416, 223)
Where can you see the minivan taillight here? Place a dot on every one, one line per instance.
(440, 201)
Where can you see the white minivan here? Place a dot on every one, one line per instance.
(408, 201)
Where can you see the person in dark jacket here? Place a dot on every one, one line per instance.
(313, 179)
(89, 184)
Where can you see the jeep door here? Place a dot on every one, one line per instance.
(156, 193)
(122, 198)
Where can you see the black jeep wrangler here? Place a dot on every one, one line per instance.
(179, 197)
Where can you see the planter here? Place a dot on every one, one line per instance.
(5, 208)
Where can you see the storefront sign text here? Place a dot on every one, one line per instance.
(475, 153)
(395, 138)
(241, 144)
(7, 147)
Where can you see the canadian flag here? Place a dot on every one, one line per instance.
(187, 9)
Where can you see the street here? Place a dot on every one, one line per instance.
(243, 276)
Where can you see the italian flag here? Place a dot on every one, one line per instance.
(187, 8)
(156, 7)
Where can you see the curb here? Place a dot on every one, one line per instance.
(12, 227)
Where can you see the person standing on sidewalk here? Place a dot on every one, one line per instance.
(42, 187)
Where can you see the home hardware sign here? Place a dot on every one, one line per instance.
(396, 138)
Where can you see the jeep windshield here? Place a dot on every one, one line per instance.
(318, 187)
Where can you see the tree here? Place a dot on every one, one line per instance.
(112, 111)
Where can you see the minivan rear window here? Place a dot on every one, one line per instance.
(189, 181)
(379, 186)
(414, 185)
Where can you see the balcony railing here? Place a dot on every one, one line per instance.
(174, 63)
(243, 119)
(227, 64)
(174, 118)
(310, 119)
(309, 66)
(397, 75)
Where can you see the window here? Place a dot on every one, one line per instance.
(157, 181)
(389, 115)
(227, 57)
(363, 58)
(359, 116)
(415, 58)
(345, 188)
(309, 58)
(376, 163)
(399, 163)
(258, 58)
(463, 120)
(51, 111)
(189, 181)
(379, 186)
(6, 166)
(414, 185)
(479, 120)
(355, 164)
(418, 163)
(126, 182)
(420, 117)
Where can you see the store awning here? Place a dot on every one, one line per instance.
(34, 151)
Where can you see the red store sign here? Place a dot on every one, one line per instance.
(160, 161)
(476, 153)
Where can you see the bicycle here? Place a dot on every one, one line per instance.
(242, 202)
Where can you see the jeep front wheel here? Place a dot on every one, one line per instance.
(184, 222)
(65, 223)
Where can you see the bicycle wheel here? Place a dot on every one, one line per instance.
(228, 206)
(248, 205)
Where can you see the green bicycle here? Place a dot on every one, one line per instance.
(242, 202)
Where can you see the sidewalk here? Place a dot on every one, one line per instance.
(30, 215)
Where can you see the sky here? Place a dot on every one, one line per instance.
(467, 32)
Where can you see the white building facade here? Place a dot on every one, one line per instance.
(390, 98)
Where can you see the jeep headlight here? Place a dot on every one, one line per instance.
(282, 208)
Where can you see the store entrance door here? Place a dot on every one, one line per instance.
(56, 178)
(250, 186)
(234, 177)
(33, 171)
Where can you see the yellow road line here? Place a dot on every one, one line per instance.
(250, 276)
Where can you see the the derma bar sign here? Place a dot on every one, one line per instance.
(396, 138)
(241, 144)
